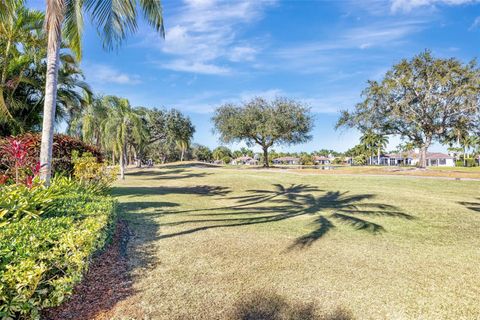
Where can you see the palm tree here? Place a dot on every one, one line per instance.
(120, 124)
(183, 145)
(20, 29)
(381, 142)
(114, 19)
(467, 142)
(368, 140)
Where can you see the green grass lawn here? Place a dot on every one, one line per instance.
(242, 244)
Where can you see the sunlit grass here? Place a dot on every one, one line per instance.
(210, 242)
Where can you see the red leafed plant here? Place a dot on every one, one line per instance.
(16, 157)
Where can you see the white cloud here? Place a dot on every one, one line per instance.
(195, 67)
(475, 24)
(105, 74)
(242, 53)
(408, 5)
(206, 33)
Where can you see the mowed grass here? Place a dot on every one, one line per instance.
(213, 243)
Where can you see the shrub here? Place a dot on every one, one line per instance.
(42, 259)
(63, 147)
(18, 201)
(93, 174)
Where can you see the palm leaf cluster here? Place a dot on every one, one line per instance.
(22, 72)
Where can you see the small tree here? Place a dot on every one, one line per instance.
(282, 121)
(421, 100)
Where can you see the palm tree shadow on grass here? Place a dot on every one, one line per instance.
(474, 206)
(282, 203)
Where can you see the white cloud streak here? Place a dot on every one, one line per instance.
(105, 74)
(409, 5)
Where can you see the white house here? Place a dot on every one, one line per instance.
(322, 160)
(434, 159)
(286, 160)
(245, 160)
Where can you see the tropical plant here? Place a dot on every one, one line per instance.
(114, 23)
(22, 68)
(121, 123)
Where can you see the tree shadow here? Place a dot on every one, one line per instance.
(474, 206)
(184, 175)
(281, 203)
(205, 190)
(268, 305)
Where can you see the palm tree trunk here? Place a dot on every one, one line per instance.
(464, 156)
(181, 155)
(378, 156)
(53, 58)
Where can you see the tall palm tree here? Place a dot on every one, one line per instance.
(114, 19)
(121, 123)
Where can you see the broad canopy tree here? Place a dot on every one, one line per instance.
(266, 123)
(421, 100)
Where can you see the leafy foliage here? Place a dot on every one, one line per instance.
(91, 174)
(422, 100)
(18, 201)
(42, 259)
(282, 121)
(63, 148)
(23, 46)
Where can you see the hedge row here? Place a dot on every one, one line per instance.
(42, 259)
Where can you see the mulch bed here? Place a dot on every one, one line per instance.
(106, 283)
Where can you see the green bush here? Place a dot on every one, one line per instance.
(19, 201)
(42, 259)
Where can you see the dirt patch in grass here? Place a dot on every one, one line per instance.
(106, 283)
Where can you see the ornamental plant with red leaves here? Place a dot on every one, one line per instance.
(16, 157)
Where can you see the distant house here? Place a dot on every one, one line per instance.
(434, 159)
(286, 160)
(245, 160)
(322, 160)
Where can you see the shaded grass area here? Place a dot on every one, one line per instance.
(233, 244)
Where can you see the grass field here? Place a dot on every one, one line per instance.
(243, 244)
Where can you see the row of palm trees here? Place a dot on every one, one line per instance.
(63, 21)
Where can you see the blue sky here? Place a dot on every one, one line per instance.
(320, 52)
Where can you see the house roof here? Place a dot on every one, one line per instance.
(287, 159)
(415, 155)
(244, 158)
(318, 158)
